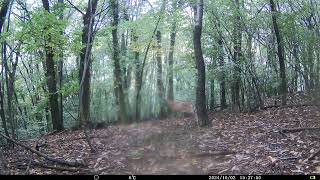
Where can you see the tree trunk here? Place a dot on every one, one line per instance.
(317, 83)
(212, 100)
(140, 76)
(283, 84)
(159, 76)
(85, 62)
(60, 69)
(2, 112)
(237, 57)
(3, 13)
(201, 70)
(51, 79)
(170, 58)
(9, 85)
(138, 79)
(296, 67)
(126, 73)
(122, 112)
(223, 101)
(10, 80)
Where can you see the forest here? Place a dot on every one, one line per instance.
(160, 87)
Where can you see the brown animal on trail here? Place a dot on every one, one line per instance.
(180, 107)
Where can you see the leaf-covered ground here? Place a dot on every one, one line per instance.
(236, 144)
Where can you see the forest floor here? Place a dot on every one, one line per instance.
(236, 144)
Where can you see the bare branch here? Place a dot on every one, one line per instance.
(75, 7)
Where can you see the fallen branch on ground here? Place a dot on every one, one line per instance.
(289, 158)
(59, 168)
(68, 163)
(293, 130)
(287, 106)
(79, 138)
(216, 153)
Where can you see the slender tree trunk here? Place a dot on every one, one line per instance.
(126, 67)
(170, 57)
(10, 80)
(122, 112)
(311, 65)
(2, 112)
(159, 76)
(317, 72)
(140, 76)
(51, 79)
(126, 73)
(223, 101)
(60, 64)
(9, 90)
(85, 62)
(296, 66)
(237, 57)
(138, 79)
(283, 85)
(3, 13)
(212, 98)
(201, 70)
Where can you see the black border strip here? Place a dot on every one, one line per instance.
(152, 177)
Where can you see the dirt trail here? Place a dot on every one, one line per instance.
(169, 147)
(236, 144)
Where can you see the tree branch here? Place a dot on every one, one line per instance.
(68, 163)
(75, 7)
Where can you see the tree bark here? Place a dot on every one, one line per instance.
(283, 84)
(51, 78)
(9, 86)
(212, 97)
(126, 73)
(159, 76)
(235, 92)
(60, 69)
(140, 76)
(2, 112)
(85, 62)
(201, 109)
(170, 57)
(223, 101)
(122, 111)
(3, 13)
(137, 79)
